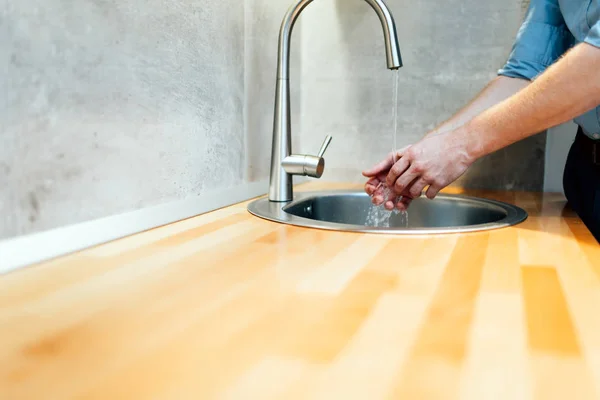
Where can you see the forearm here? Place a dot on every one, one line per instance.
(567, 89)
(497, 90)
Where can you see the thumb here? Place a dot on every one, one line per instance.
(386, 164)
(400, 153)
(380, 167)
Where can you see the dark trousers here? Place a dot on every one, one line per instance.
(581, 181)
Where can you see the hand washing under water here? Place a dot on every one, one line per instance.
(378, 216)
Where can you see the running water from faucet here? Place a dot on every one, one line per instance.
(378, 216)
(395, 94)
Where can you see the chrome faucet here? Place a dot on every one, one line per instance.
(284, 164)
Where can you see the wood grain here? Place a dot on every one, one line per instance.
(229, 306)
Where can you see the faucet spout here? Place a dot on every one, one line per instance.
(392, 48)
(280, 186)
(390, 36)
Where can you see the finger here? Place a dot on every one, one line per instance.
(400, 153)
(404, 203)
(371, 186)
(377, 200)
(380, 190)
(379, 195)
(389, 205)
(405, 180)
(380, 167)
(433, 191)
(370, 189)
(397, 169)
(397, 154)
(416, 189)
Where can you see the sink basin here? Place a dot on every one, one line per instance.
(353, 211)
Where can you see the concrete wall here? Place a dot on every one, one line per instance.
(109, 106)
(451, 49)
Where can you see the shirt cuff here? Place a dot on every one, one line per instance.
(538, 45)
(593, 36)
(522, 69)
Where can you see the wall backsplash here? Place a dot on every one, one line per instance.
(110, 106)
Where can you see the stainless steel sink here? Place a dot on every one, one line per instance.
(351, 211)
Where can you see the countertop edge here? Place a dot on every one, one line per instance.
(23, 251)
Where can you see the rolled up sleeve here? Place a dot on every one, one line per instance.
(593, 36)
(541, 40)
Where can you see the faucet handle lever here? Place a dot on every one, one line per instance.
(324, 146)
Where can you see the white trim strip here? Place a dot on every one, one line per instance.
(30, 249)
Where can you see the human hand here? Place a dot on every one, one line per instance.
(436, 161)
(377, 188)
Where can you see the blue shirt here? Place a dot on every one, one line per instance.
(550, 28)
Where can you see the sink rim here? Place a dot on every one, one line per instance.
(274, 211)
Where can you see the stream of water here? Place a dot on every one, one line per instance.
(395, 112)
(378, 216)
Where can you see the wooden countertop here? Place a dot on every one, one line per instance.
(226, 305)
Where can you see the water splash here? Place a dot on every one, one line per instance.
(378, 216)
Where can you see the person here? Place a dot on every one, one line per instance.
(552, 76)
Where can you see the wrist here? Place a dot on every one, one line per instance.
(439, 130)
(473, 138)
